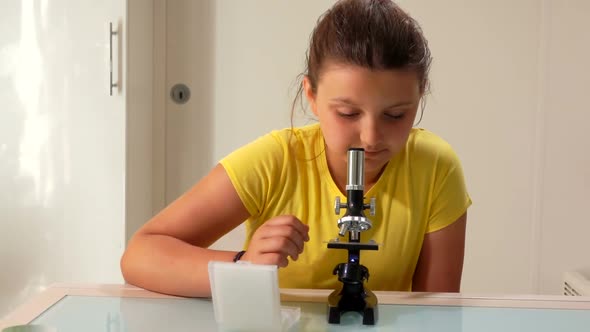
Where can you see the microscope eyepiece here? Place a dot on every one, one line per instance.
(356, 169)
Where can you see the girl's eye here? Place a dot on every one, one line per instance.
(347, 115)
(394, 116)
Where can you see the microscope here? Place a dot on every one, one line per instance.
(352, 295)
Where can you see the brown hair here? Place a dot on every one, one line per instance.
(374, 34)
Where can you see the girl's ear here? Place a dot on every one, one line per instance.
(310, 95)
(425, 88)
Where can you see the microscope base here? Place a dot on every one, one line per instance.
(365, 303)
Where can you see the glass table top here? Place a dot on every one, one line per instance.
(116, 314)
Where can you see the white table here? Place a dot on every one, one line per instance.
(121, 308)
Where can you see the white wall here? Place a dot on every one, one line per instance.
(508, 82)
(485, 97)
(565, 155)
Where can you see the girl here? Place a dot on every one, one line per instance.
(367, 72)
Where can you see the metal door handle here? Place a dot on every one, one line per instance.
(111, 34)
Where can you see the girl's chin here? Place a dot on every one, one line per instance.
(374, 165)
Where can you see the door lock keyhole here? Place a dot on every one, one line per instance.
(180, 93)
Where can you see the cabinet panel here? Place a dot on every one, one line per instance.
(62, 145)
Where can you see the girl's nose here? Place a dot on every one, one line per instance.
(371, 135)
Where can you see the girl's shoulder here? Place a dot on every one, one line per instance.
(302, 142)
(297, 134)
(424, 145)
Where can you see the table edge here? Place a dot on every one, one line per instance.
(31, 309)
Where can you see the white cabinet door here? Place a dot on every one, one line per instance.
(62, 145)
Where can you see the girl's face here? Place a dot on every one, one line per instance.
(363, 108)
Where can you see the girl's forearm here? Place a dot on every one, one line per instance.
(167, 265)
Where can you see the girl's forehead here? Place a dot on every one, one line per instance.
(352, 79)
(339, 71)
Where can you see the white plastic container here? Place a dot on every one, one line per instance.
(246, 297)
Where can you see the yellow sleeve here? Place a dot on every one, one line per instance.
(255, 169)
(449, 196)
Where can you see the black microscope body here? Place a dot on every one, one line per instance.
(353, 295)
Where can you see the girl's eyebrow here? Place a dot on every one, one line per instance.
(351, 103)
(343, 101)
(400, 104)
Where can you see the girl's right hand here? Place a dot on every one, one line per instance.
(275, 240)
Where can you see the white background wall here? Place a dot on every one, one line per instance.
(508, 83)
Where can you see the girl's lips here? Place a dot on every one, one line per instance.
(373, 153)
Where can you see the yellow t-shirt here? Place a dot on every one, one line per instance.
(421, 190)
